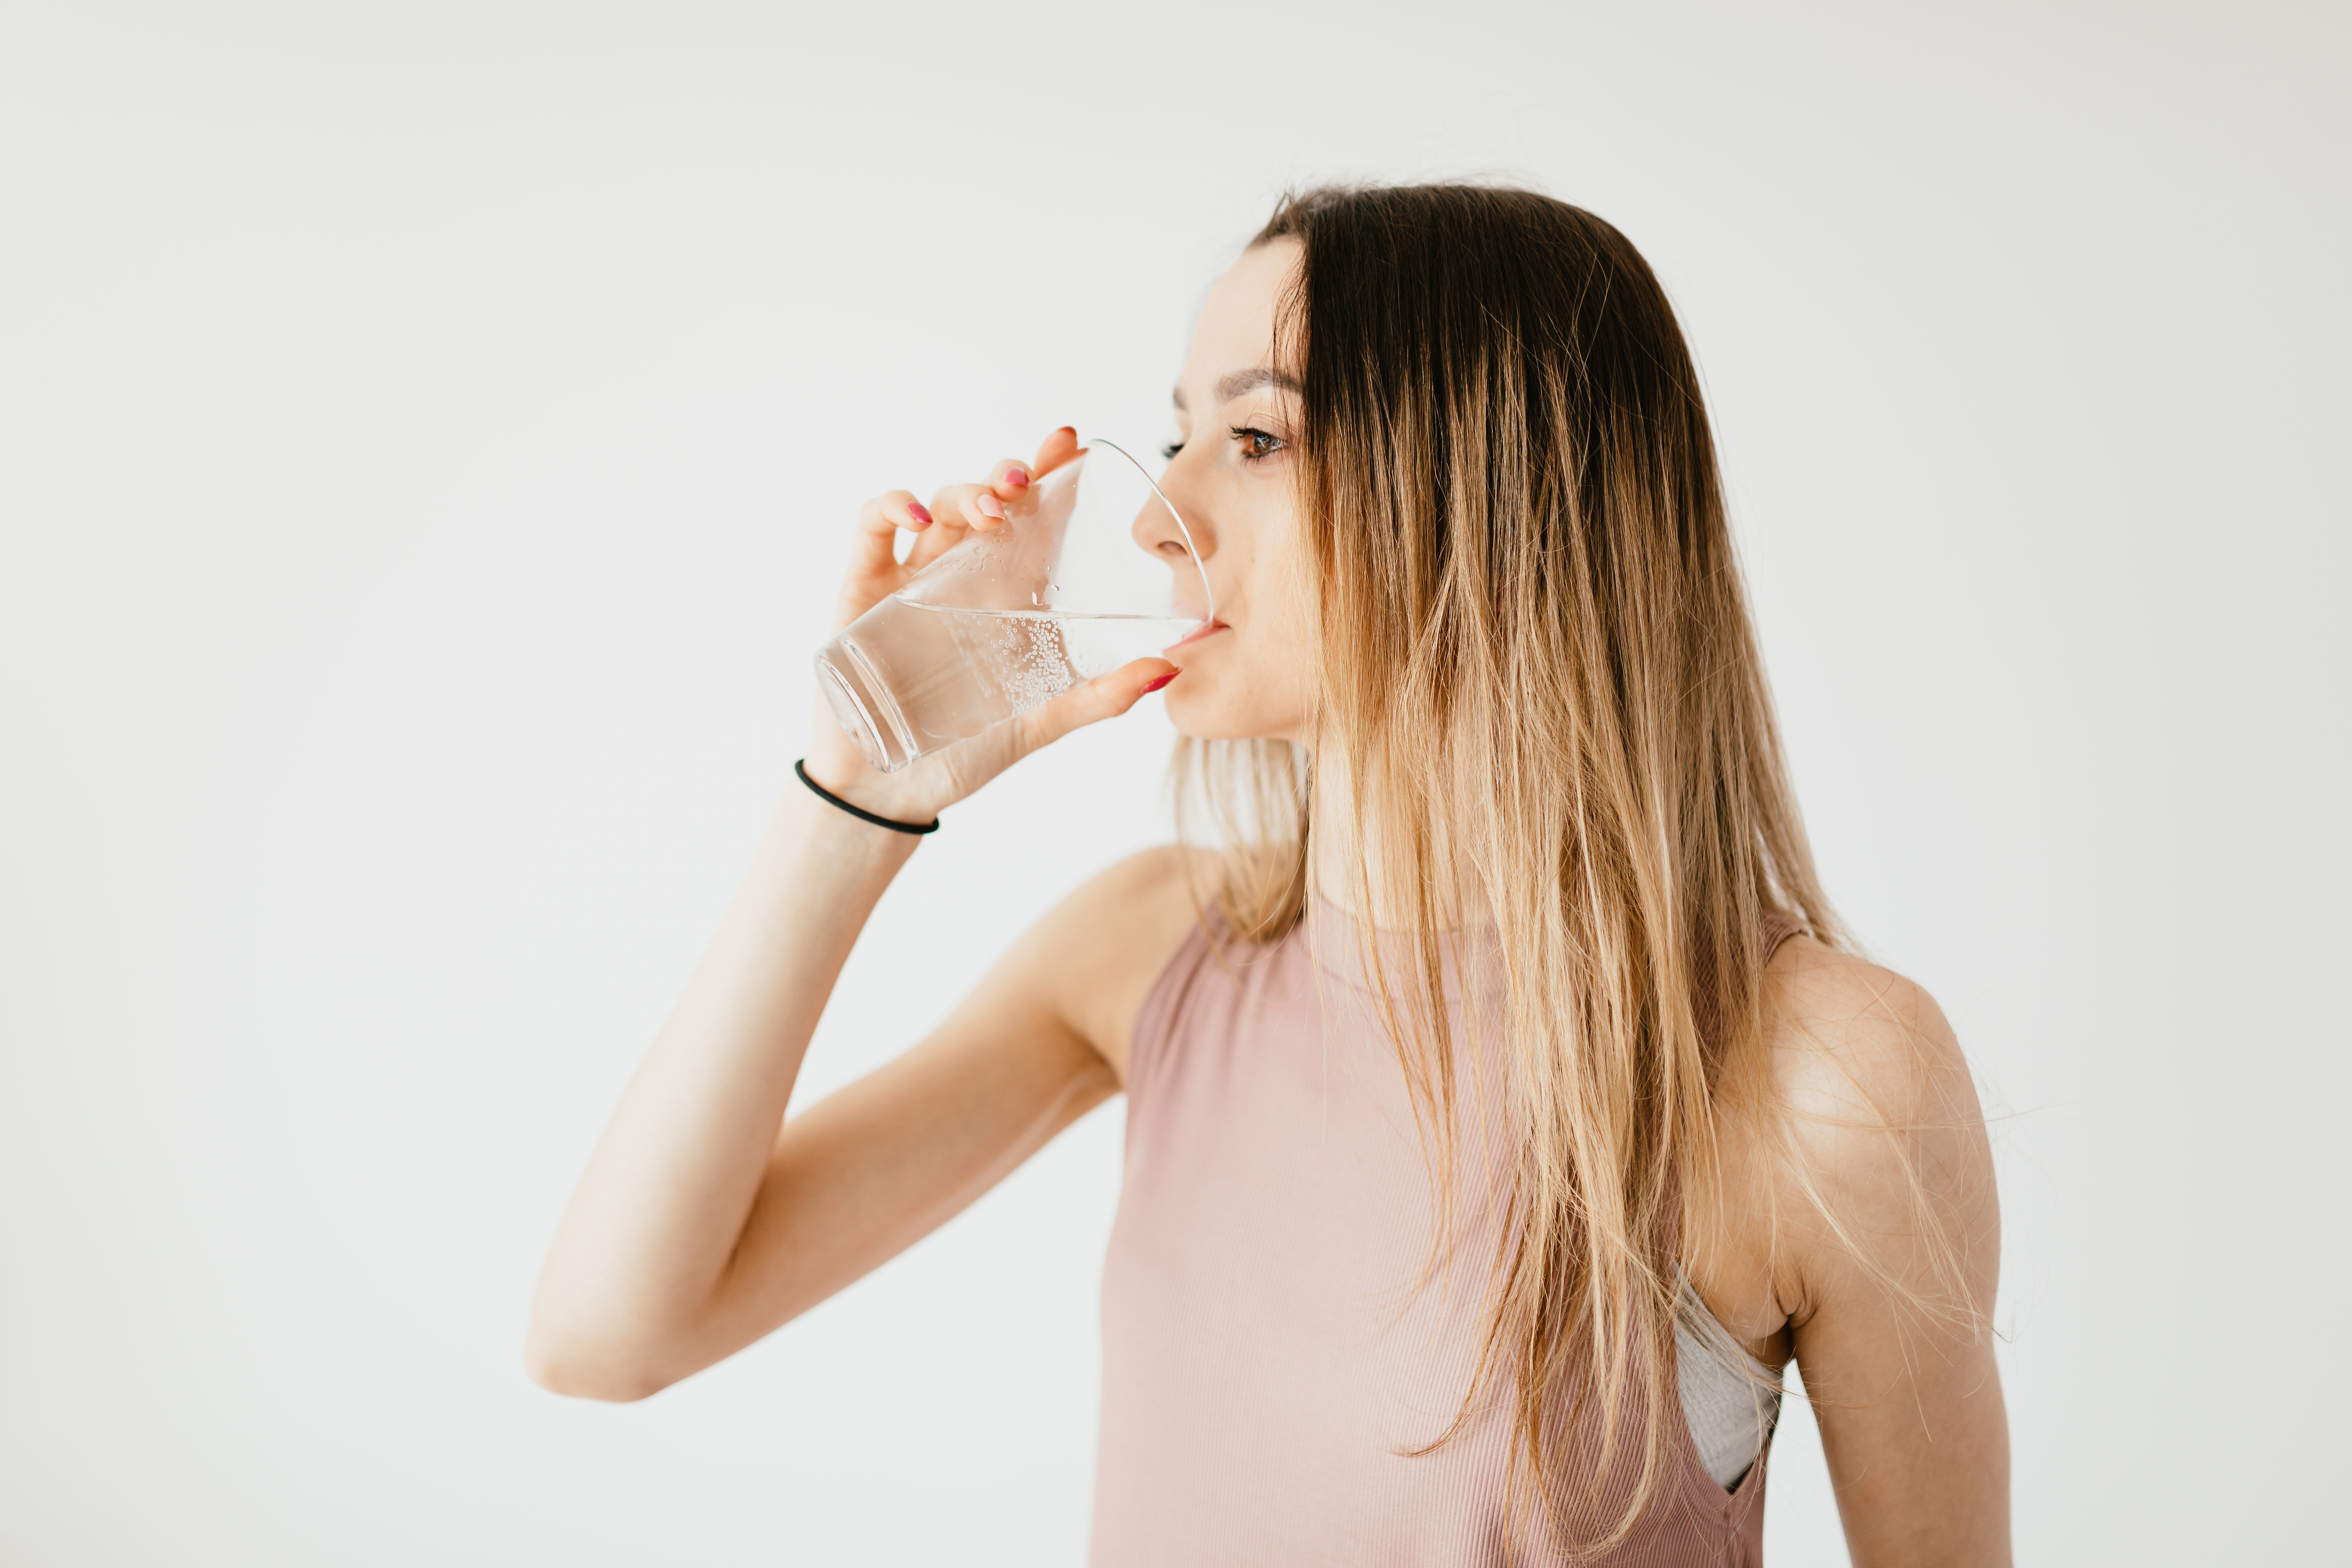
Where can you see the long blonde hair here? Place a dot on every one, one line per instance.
(1535, 664)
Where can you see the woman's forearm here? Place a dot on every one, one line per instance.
(660, 1209)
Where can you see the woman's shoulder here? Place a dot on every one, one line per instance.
(1103, 947)
(1846, 1035)
(1878, 1118)
(1155, 895)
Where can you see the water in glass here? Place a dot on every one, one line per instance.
(919, 677)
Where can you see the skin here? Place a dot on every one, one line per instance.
(706, 1220)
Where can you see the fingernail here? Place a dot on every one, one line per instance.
(990, 506)
(1016, 476)
(1161, 681)
(1069, 430)
(920, 512)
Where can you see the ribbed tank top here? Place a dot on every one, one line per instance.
(1267, 1353)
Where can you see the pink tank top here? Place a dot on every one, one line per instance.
(1266, 1354)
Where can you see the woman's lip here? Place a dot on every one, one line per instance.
(1205, 629)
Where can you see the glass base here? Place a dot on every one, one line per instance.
(864, 708)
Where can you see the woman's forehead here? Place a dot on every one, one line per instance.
(1232, 344)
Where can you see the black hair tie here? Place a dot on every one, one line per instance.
(860, 813)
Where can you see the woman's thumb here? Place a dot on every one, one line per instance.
(1105, 697)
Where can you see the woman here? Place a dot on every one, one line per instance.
(1504, 1110)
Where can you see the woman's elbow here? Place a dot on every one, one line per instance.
(580, 1370)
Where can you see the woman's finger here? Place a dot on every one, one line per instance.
(1105, 697)
(874, 568)
(963, 510)
(1013, 486)
(949, 527)
(875, 547)
(1009, 480)
(972, 505)
(1056, 449)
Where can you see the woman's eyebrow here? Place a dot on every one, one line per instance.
(1233, 385)
(1234, 382)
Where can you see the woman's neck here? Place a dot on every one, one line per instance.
(1361, 863)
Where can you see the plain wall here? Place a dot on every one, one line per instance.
(428, 438)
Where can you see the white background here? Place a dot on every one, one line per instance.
(427, 438)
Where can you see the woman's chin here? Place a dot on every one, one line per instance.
(1198, 716)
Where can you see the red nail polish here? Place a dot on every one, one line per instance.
(919, 512)
(1161, 681)
(1017, 477)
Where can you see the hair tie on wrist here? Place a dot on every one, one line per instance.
(862, 815)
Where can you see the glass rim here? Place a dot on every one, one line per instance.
(1208, 591)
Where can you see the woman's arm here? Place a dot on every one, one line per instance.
(1890, 1296)
(649, 1240)
(703, 1220)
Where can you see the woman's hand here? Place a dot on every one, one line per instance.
(918, 792)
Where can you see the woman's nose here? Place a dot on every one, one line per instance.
(1189, 502)
(1176, 534)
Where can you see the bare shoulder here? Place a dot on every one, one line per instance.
(1847, 1035)
(1885, 1260)
(1887, 1172)
(1098, 952)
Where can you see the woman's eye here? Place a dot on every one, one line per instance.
(1167, 453)
(1257, 444)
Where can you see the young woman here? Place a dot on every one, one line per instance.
(1504, 1109)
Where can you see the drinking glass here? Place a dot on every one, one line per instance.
(1092, 568)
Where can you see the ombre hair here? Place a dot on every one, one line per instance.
(1534, 663)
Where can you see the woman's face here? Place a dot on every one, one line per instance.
(1232, 476)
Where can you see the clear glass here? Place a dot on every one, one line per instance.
(1093, 569)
